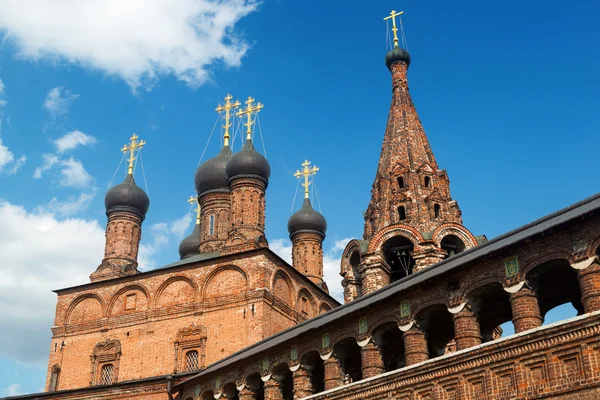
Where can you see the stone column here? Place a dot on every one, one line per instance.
(247, 394)
(303, 385)
(372, 360)
(273, 389)
(589, 282)
(333, 372)
(415, 346)
(525, 309)
(466, 329)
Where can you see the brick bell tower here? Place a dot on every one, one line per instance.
(411, 221)
(307, 229)
(126, 207)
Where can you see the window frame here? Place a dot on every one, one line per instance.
(211, 224)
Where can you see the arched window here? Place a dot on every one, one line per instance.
(400, 182)
(54, 378)
(427, 182)
(211, 225)
(105, 362)
(436, 210)
(401, 213)
(190, 348)
(106, 374)
(191, 361)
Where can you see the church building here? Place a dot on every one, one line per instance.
(424, 298)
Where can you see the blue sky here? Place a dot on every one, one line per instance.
(506, 91)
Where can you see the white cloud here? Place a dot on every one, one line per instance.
(71, 206)
(72, 172)
(161, 234)
(13, 390)
(72, 140)
(331, 263)
(50, 160)
(8, 164)
(137, 40)
(58, 100)
(39, 253)
(3, 100)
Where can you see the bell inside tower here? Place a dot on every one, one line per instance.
(398, 255)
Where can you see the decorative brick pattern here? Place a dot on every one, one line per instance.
(525, 309)
(247, 210)
(215, 205)
(467, 330)
(215, 307)
(372, 361)
(307, 254)
(302, 382)
(123, 234)
(333, 372)
(589, 282)
(415, 346)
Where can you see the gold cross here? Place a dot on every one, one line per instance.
(227, 108)
(131, 149)
(306, 172)
(192, 200)
(248, 112)
(393, 16)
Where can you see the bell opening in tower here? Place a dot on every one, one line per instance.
(398, 256)
(453, 245)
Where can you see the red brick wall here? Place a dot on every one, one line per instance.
(232, 298)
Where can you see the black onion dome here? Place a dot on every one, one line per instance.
(307, 219)
(189, 246)
(210, 176)
(396, 54)
(126, 196)
(248, 162)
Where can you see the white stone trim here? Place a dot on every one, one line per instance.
(514, 288)
(580, 265)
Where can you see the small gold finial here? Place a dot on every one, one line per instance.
(192, 200)
(306, 172)
(131, 149)
(248, 112)
(227, 107)
(393, 16)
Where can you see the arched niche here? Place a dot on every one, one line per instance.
(176, 290)
(282, 287)
(226, 281)
(324, 308)
(129, 299)
(85, 309)
(305, 304)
